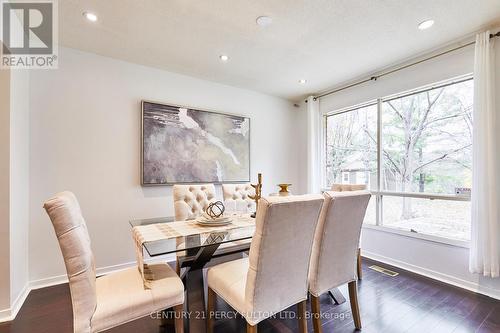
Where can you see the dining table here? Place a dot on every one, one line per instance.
(197, 247)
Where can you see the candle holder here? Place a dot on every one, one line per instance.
(284, 189)
(258, 193)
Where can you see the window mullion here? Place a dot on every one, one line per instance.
(379, 163)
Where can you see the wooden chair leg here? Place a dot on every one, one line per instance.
(178, 318)
(301, 309)
(165, 320)
(353, 296)
(177, 266)
(251, 329)
(316, 314)
(360, 271)
(212, 296)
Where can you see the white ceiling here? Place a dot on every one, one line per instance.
(324, 41)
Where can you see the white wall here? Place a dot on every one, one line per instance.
(19, 180)
(4, 192)
(85, 137)
(14, 187)
(445, 262)
(442, 68)
(300, 149)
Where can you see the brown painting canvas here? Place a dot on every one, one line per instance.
(186, 145)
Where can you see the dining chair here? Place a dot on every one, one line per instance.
(237, 196)
(274, 276)
(347, 188)
(111, 300)
(333, 258)
(190, 201)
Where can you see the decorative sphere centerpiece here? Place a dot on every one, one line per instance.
(215, 209)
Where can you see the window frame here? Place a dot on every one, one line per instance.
(324, 148)
(379, 193)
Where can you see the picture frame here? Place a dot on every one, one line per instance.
(188, 145)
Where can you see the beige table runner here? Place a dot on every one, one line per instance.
(171, 230)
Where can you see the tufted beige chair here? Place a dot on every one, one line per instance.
(237, 197)
(191, 200)
(111, 300)
(274, 276)
(348, 188)
(333, 258)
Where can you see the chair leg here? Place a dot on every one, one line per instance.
(301, 309)
(179, 319)
(316, 314)
(165, 320)
(353, 296)
(177, 266)
(251, 329)
(360, 272)
(210, 310)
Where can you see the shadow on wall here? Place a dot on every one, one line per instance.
(157, 191)
(165, 191)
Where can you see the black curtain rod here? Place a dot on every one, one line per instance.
(375, 77)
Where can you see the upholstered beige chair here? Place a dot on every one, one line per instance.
(333, 258)
(348, 188)
(274, 276)
(111, 300)
(191, 200)
(237, 197)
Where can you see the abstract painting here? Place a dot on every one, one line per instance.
(186, 145)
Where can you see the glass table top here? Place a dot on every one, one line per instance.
(191, 244)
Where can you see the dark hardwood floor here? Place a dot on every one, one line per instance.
(405, 303)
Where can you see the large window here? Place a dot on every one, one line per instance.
(351, 148)
(422, 161)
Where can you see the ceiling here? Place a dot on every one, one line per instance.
(324, 41)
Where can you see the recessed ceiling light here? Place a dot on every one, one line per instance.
(90, 16)
(264, 21)
(302, 81)
(224, 57)
(425, 24)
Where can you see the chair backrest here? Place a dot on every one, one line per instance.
(280, 252)
(191, 200)
(336, 240)
(236, 196)
(71, 231)
(348, 187)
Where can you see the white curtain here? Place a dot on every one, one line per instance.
(313, 146)
(485, 238)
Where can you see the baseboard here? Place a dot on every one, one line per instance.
(19, 301)
(454, 281)
(11, 313)
(48, 282)
(6, 315)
